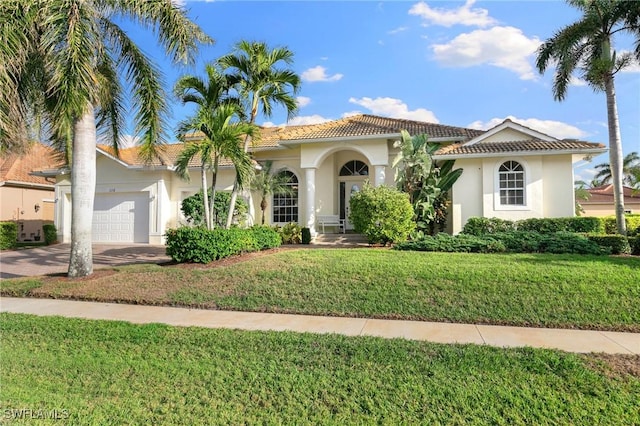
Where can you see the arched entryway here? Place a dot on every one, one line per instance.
(351, 178)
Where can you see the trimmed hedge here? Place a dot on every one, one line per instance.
(50, 233)
(8, 235)
(487, 225)
(200, 245)
(632, 221)
(448, 243)
(634, 243)
(483, 226)
(617, 244)
(557, 242)
(266, 237)
(514, 241)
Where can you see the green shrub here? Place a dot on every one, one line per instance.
(291, 233)
(569, 243)
(616, 244)
(584, 224)
(50, 233)
(383, 214)
(632, 221)
(542, 226)
(8, 235)
(458, 243)
(193, 209)
(557, 242)
(634, 243)
(520, 241)
(199, 245)
(306, 236)
(266, 237)
(487, 225)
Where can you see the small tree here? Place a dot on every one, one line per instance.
(267, 183)
(383, 214)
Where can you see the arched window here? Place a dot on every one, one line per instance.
(511, 180)
(285, 204)
(354, 168)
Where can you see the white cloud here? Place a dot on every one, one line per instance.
(397, 30)
(351, 113)
(395, 108)
(319, 73)
(503, 47)
(125, 141)
(303, 101)
(553, 128)
(634, 66)
(268, 124)
(307, 119)
(464, 15)
(577, 81)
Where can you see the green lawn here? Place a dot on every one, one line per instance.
(570, 291)
(100, 372)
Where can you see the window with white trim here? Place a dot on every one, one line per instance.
(511, 183)
(285, 205)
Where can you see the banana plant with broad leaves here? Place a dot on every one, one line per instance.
(426, 181)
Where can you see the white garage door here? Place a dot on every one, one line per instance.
(121, 218)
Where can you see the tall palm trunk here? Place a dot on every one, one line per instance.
(214, 182)
(247, 142)
(615, 153)
(205, 196)
(83, 187)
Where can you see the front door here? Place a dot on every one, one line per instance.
(347, 189)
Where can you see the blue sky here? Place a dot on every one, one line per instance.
(468, 64)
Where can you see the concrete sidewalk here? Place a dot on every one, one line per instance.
(566, 340)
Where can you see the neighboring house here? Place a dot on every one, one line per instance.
(26, 199)
(510, 171)
(600, 203)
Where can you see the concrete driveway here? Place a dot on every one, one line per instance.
(54, 259)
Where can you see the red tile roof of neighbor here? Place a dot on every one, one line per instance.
(17, 167)
(604, 194)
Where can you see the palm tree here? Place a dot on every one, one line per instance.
(630, 167)
(586, 47)
(222, 139)
(208, 95)
(262, 85)
(67, 69)
(267, 183)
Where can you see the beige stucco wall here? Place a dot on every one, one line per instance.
(600, 210)
(548, 189)
(506, 135)
(113, 177)
(19, 204)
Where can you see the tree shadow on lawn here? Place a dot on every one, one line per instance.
(569, 259)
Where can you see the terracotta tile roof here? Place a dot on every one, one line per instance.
(17, 168)
(167, 156)
(272, 137)
(371, 125)
(536, 145)
(604, 194)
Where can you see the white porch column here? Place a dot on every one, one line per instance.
(310, 180)
(379, 177)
